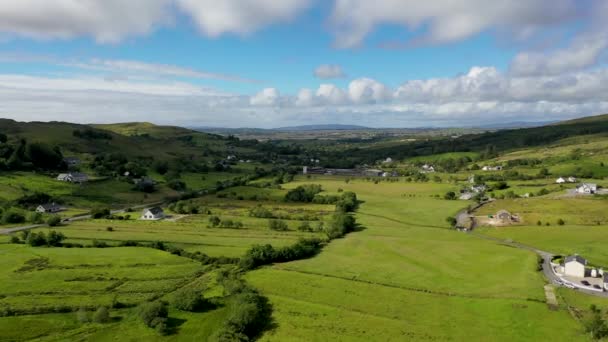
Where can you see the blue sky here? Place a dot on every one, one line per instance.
(269, 63)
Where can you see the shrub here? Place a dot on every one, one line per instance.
(11, 216)
(102, 315)
(451, 221)
(260, 212)
(188, 300)
(303, 193)
(36, 218)
(153, 313)
(214, 221)
(304, 227)
(54, 239)
(561, 222)
(278, 225)
(53, 221)
(99, 213)
(341, 224)
(82, 315)
(451, 195)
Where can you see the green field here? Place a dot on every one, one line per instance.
(412, 277)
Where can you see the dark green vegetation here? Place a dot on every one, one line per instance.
(254, 251)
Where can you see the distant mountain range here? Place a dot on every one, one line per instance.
(340, 127)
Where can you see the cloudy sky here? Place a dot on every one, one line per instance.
(271, 63)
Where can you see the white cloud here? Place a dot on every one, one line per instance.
(328, 71)
(215, 18)
(330, 94)
(266, 97)
(366, 90)
(110, 21)
(107, 21)
(138, 67)
(447, 20)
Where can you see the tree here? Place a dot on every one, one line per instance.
(177, 185)
(561, 222)
(3, 138)
(102, 315)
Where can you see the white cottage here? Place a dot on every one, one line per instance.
(574, 266)
(153, 214)
(560, 180)
(586, 188)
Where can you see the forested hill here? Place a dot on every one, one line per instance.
(20, 142)
(490, 142)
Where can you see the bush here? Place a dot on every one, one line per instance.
(341, 224)
(260, 212)
(451, 221)
(177, 185)
(99, 213)
(451, 195)
(561, 222)
(278, 225)
(53, 221)
(102, 315)
(249, 315)
(188, 300)
(82, 315)
(11, 216)
(153, 313)
(36, 218)
(304, 227)
(214, 221)
(303, 193)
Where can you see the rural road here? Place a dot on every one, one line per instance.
(73, 219)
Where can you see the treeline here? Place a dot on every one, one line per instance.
(25, 156)
(487, 144)
(91, 134)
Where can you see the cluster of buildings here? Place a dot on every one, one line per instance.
(586, 188)
(575, 272)
(492, 168)
(562, 180)
(467, 194)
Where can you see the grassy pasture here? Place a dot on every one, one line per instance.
(407, 276)
(49, 277)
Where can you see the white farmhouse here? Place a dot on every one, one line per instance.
(560, 180)
(586, 188)
(153, 214)
(73, 177)
(571, 179)
(574, 266)
(48, 208)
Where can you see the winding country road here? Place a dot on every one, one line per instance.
(8, 231)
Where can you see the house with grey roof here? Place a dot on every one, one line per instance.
(586, 188)
(153, 214)
(574, 266)
(48, 208)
